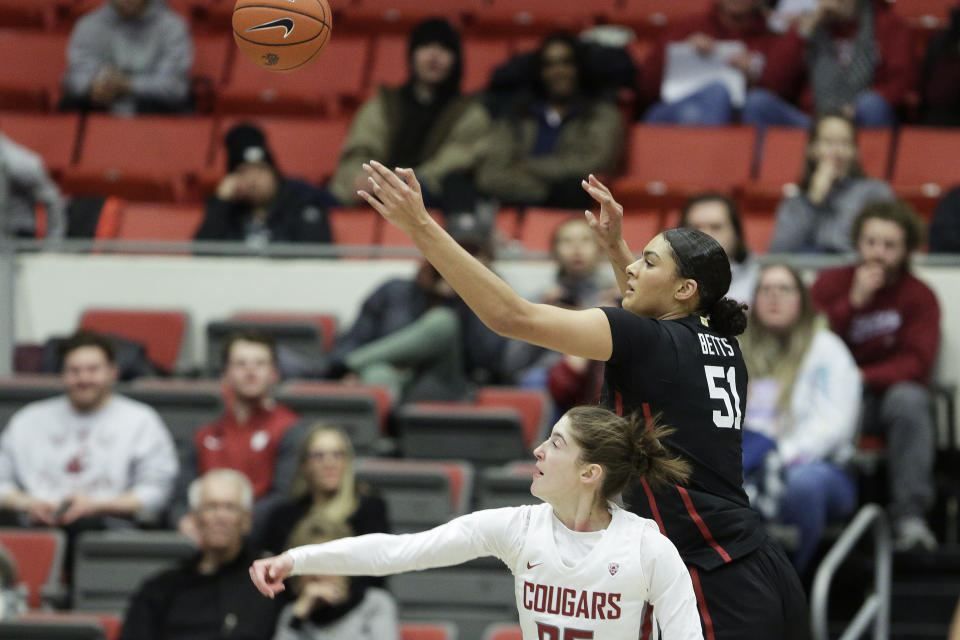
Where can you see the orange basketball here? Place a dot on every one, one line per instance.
(282, 35)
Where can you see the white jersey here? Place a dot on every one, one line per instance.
(602, 594)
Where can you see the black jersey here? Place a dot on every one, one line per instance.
(696, 381)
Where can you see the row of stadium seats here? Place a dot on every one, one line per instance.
(525, 16)
(663, 164)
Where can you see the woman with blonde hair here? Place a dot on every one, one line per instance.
(802, 410)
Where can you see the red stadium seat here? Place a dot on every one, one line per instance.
(925, 165)
(398, 16)
(110, 623)
(33, 65)
(531, 404)
(160, 331)
(758, 229)
(331, 84)
(326, 323)
(538, 16)
(211, 55)
(639, 227)
(355, 226)
(459, 476)
(538, 225)
(666, 164)
(380, 395)
(389, 65)
(37, 14)
(158, 221)
(508, 224)
(503, 632)
(427, 631)
(53, 136)
(784, 152)
(38, 554)
(391, 236)
(650, 17)
(143, 158)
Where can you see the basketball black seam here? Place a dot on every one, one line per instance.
(285, 10)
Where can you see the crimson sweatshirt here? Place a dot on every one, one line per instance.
(894, 338)
(783, 70)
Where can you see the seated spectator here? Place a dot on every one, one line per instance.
(945, 227)
(90, 458)
(129, 56)
(538, 154)
(791, 14)
(772, 65)
(256, 435)
(859, 60)
(940, 77)
(580, 284)
(890, 320)
(418, 338)
(25, 184)
(718, 216)
(310, 615)
(425, 124)
(255, 203)
(833, 189)
(802, 410)
(210, 595)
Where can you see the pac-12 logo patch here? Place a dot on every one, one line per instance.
(613, 568)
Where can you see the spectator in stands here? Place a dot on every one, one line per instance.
(255, 203)
(945, 227)
(833, 189)
(772, 65)
(324, 491)
(208, 596)
(538, 154)
(256, 435)
(718, 216)
(425, 123)
(24, 183)
(940, 78)
(311, 616)
(91, 457)
(859, 63)
(891, 322)
(129, 56)
(418, 338)
(802, 410)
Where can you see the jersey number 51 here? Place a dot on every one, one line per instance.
(723, 385)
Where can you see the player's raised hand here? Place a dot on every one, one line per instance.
(608, 224)
(268, 574)
(396, 196)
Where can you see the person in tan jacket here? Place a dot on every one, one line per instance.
(425, 124)
(539, 152)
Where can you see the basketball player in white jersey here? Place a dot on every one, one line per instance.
(583, 566)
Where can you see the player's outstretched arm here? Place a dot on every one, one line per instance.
(608, 228)
(580, 333)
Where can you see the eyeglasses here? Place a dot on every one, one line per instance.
(210, 507)
(335, 454)
(779, 289)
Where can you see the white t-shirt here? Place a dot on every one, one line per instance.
(598, 585)
(51, 452)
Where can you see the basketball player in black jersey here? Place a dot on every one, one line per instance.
(670, 351)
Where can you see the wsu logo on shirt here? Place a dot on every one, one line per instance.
(871, 325)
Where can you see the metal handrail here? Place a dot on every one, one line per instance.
(876, 607)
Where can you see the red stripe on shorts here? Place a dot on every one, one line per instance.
(704, 530)
(701, 604)
(653, 504)
(618, 402)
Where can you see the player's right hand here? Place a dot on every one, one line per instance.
(608, 225)
(268, 574)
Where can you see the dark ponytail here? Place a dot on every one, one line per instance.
(701, 258)
(624, 447)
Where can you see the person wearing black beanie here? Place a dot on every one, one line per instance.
(254, 202)
(425, 123)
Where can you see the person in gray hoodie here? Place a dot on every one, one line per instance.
(129, 56)
(25, 182)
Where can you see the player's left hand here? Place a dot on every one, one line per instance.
(268, 574)
(80, 506)
(399, 201)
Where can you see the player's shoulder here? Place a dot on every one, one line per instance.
(645, 533)
(27, 416)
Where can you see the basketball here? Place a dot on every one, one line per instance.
(282, 35)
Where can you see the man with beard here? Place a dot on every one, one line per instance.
(255, 434)
(91, 457)
(208, 596)
(890, 320)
